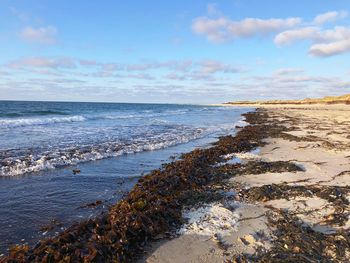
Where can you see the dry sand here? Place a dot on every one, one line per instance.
(323, 151)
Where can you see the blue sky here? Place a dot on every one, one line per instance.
(173, 52)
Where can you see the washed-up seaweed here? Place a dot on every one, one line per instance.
(151, 208)
(335, 195)
(296, 242)
(257, 167)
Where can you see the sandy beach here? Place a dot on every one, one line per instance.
(174, 131)
(276, 191)
(285, 214)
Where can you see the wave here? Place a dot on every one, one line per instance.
(27, 163)
(21, 161)
(20, 122)
(145, 114)
(45, 112)
(32, 113)
(8, 123)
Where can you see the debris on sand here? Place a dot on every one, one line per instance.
(210, 219)
(296, 242)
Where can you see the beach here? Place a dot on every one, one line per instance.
(64, 162)
(282, 214)
(277, 190)
(174, 131)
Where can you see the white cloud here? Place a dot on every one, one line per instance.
(47, 72)
(288, 71)
(103, 74)
(204, 79)
(223, 29)
(42, 35)
(203, 70)
(180, 65)
(212, 66)
(86, 62)
(110, 67)
(330, 49)
(329, 17)
(141, 76)
(336, 34)
(141, 66)
(43, 62)
(294, 85)
(174, 76)
(324, 42)
(291, 36)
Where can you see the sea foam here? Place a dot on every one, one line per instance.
(8, 123)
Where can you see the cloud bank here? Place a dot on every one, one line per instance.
(223, 29)
(324, 42)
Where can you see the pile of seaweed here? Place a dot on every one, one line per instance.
(256, 167)
(151, 208)
(295, 241)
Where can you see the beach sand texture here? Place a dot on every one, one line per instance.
(317, 139)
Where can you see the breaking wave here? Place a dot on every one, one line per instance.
(27, 162)
(8, 123)
(20, 122)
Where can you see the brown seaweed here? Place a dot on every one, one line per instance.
(151, 208)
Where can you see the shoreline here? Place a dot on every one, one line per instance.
(30, 201)
(150, 215)
(146, 212)
(293, 204)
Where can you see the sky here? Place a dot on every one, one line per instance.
(173, 51)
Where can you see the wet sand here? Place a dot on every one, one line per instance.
(288, 215)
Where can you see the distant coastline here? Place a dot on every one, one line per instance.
(344, 99)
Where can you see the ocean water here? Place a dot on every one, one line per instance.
(112, 144)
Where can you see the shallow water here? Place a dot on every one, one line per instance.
(112, 144)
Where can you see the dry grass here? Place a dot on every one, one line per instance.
(344, 99)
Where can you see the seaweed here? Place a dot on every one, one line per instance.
(153, 207)
(257, 167)
(296, 242)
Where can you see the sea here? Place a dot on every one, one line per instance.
(58, 158)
